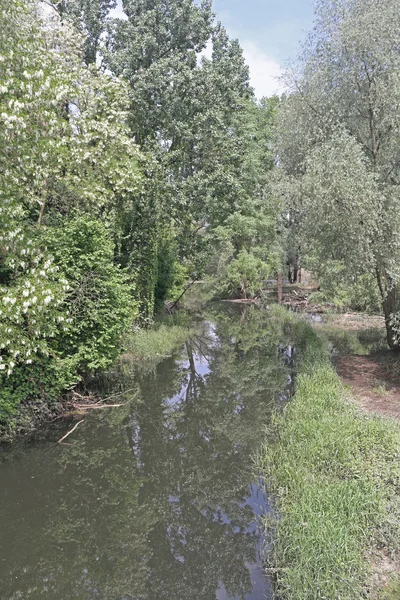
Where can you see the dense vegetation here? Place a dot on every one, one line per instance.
(135, 158)
(338, 143)
(130, 164)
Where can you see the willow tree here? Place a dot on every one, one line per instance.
(338, 144)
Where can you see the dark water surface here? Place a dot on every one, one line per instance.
(157, 499)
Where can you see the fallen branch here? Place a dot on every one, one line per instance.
(175, 304)
(98, 407)
(69, 432)
(97, 401)
(118, 394)
(77, 395)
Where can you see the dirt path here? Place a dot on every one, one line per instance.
(375, 381)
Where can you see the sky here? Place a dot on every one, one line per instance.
(269, 32)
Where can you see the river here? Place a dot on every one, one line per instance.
(160, 498)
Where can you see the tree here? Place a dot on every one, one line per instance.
(246, 247)
(188, 112)
(338, 144)
(90, 17)
(66, 159)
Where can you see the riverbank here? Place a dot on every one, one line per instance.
(150, 346)
(336, 475)
(142, 349)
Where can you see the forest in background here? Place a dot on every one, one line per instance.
(133, 161)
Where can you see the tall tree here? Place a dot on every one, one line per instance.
(186, 110)
(69, 174)
(90, 17)
(192, 113)
(339, 143)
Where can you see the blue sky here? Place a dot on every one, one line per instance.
(275, 26)
(269, 31)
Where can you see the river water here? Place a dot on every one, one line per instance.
(158, 499)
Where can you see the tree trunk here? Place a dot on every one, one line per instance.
(388, 292)
(389, 308)
(280, 293)
(296, 274)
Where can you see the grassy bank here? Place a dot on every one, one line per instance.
(147, 347)
(336, 475)
(142, 350)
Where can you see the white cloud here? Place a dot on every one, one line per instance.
(264, 71)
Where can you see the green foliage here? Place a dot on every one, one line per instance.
(90, 18)
(31, 392)
(365, 296)
(210, 139)
(99, 300)
(69, 164)
(360, 294)
(246, 248)
(172, 274)
(93, 232)
(245, 275)
(335, 473)
(337, 142)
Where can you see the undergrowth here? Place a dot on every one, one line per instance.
(153, 345)
(336, 476)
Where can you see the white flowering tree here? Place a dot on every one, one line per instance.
(338, 144)
(31, 289)
(64, 151)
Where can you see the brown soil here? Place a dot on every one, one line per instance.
(375, 381)
(384, 572)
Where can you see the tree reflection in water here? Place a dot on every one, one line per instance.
(157, 499)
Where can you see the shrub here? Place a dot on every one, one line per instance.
(99, 301)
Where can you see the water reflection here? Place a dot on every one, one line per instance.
(157, 499)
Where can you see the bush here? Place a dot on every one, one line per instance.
(99, 301)
(98, 307)
(32, 391)
(242, 276)
(361, 294)
(246, 275)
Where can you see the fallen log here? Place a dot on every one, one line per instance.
(69, 432)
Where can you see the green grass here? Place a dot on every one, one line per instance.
(335, 473)
(360, 342)
(153, 345)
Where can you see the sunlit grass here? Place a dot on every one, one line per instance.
(334, 472)
(153, 345)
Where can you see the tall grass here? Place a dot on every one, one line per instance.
(336, 477)
(153, 345)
